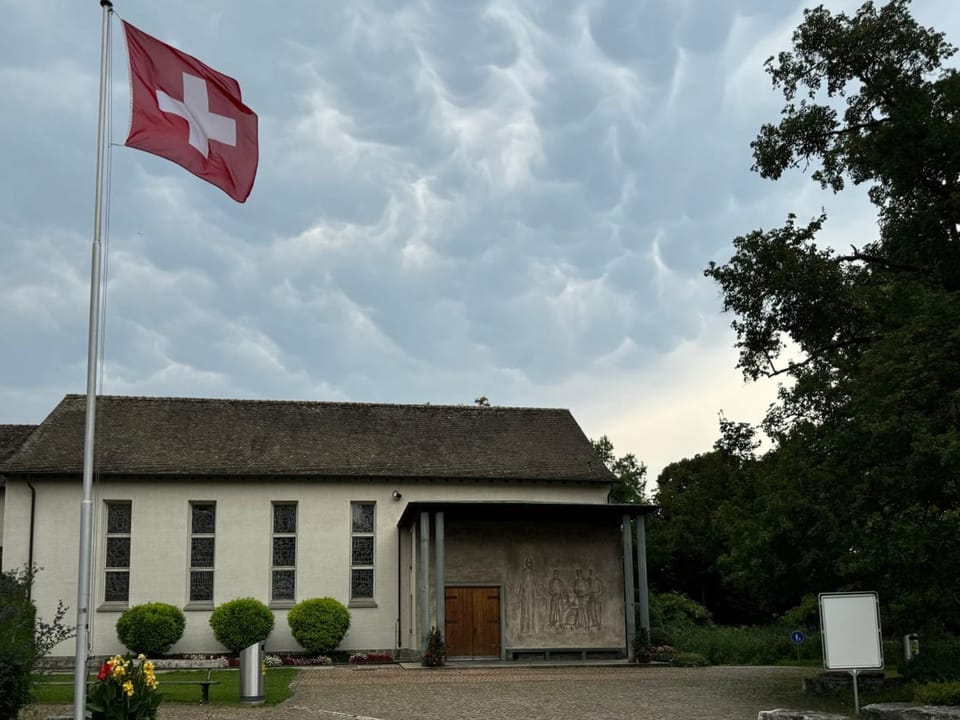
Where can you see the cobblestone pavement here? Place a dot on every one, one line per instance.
(512, 693)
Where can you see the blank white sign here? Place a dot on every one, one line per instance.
(851, 631)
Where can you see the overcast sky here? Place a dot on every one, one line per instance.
(455, 198)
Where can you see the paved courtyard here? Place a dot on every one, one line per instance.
(514, 693)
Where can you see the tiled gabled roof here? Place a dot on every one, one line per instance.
(192, 436)
(12, 437)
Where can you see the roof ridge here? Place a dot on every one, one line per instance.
(344, 403)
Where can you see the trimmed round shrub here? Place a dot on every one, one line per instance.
(319, 624)
(151, 628)
(241, 622)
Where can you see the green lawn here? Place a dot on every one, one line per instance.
(276, 687)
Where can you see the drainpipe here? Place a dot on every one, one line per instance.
(33, 519)
(399, 638)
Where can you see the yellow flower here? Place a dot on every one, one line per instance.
(118, 671)
(148, 667)
(141, 657)
(128, 688)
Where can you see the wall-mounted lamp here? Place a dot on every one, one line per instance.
(396, 495)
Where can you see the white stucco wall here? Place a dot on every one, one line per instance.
(160, 546)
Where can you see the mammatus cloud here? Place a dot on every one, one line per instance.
(512, 199)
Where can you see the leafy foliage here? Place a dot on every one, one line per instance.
(241, 622)
(151, 628)
(762, 645)
(17, 649)
(125, 690)
(24, 637)
(631, 474)
(673, 610)
(689, 659)
(933, 665)
(860, 489)
(938, 694)
(805, 614)
(319, 624)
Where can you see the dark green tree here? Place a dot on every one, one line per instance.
(631, 474)
(867, 427)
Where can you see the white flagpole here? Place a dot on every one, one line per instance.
(93, 348)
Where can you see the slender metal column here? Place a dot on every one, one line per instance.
(642, 574)
(93, 347)
(424, 579)
(440, 550)
(629, 604)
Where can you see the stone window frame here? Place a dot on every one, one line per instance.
(283, 602)
(110, 533)
(204, 603)
(355, 534)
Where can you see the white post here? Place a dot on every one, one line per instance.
(93, 348)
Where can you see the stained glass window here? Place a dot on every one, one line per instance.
(201, 586)
(284, 517)
(116, 561)
(284, 551)
(283, 584)
(361, 584)
(363, 517)
(362, 544)
(203, 525)
(117, 587)
(284, 575)
(118, 552)
(362, 550)
(118, 518)
(201, 552)
(204, 517)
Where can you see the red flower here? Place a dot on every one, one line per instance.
(104, 671)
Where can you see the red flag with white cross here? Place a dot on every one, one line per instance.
(190, 114)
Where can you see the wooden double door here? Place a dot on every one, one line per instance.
(472, 619)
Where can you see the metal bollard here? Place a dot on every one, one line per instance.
(251, 674)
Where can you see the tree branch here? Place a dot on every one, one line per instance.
(818, 353)
(858, 256)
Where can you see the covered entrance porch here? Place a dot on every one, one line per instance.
(523, 580)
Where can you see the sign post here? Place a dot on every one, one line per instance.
(851, 634)
(798, 637)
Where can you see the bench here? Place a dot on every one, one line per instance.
(204, 685)
(607, 653)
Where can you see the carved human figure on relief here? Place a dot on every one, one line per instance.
(594, 599)
(582, 592)
(555, 590)
(526, 594)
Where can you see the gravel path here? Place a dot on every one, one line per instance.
(514, 692)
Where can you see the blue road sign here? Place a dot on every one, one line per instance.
(797, 637)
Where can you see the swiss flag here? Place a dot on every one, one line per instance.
(187, 112)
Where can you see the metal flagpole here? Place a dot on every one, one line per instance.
(93, 347)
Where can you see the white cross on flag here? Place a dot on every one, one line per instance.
(187, 112)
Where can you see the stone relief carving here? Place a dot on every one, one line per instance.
(573, 604)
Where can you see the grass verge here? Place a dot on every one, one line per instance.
(276, 687)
